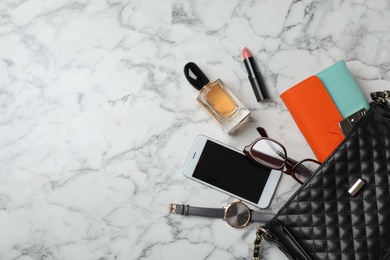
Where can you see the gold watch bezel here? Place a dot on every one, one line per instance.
(235, 225)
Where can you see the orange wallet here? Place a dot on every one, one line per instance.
(316, 115)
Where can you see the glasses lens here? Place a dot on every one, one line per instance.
(269, 153)
(304, 169)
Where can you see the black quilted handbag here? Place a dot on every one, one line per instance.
(322, 220)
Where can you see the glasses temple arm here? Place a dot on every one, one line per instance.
(291, 162)
(303, 167)
(262, 131)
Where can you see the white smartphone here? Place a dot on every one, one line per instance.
(226, 169)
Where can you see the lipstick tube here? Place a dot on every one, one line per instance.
(254, 76)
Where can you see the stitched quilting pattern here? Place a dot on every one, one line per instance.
(325, 221)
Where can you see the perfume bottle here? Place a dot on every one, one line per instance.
(217, 99)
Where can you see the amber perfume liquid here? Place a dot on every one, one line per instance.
(217, 99)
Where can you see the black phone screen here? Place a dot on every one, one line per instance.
(231, 171)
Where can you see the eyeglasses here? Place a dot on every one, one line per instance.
(272, 154)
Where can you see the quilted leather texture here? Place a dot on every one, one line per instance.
(322, 221)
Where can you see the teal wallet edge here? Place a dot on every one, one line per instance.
(343, 89)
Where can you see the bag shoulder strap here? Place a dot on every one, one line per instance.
(381, 97)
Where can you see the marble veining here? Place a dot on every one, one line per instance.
(97, 118)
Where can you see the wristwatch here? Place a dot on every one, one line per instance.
(236, 214)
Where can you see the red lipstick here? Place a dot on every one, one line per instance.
(254, 76)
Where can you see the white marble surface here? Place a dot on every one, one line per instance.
(97, 118)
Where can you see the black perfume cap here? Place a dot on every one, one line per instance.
(195, 76)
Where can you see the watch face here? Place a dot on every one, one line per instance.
(237, 214)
